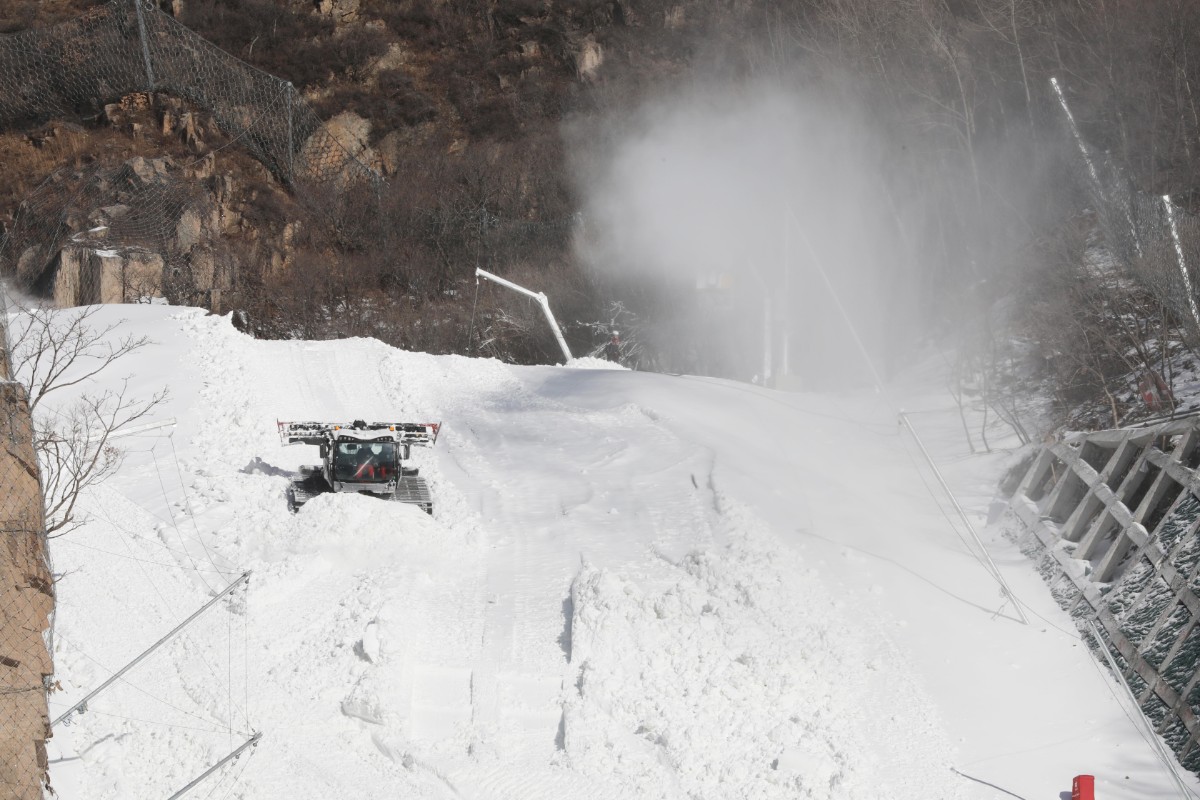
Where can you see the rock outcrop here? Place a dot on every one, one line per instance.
(26, 602)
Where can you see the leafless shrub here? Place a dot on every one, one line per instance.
(57, 350)
(75, 452)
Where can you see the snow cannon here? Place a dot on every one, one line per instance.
(364, 457)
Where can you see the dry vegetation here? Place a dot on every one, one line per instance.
(467, 100)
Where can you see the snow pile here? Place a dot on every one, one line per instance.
(741, 679)
(590, 362)
(774, 604)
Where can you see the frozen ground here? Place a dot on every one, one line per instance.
(633, 586)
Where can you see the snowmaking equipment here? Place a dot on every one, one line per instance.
(541, 299)
(364, 457)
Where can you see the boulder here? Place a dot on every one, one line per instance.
(87, 275)
(330, 152)
(590, 57)
(188, 230)
(342, 11)
(148, 170)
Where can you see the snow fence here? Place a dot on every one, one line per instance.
(1112, 519)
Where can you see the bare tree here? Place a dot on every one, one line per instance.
(75, 452)
(1009, 20)
(53, 350)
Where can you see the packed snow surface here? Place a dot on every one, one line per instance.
(633, 586)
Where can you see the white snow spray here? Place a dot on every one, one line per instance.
(1087, 158)
(713, 192)
(1062, 101)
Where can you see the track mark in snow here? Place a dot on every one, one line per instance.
(532, 701)
(441, 701)
(617, 477)
(720, 647)
(530, 782)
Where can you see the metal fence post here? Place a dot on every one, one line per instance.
(1183, 271)
(5, 358)
(291, 90)
(137, 4)
(81, 706)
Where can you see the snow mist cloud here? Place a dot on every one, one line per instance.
(756, 196)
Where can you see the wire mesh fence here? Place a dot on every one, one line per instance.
(71, 70)
(115, 233)
(5, 360)
(179, 695)
(26, 604)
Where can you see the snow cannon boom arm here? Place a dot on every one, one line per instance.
(410, 433)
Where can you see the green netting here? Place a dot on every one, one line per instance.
(1155, 710)
(1175, 733)
(1187, 556)
(1156, 651)
(1048, 567)
(1125, 595)
(1183, 665)
(1178, 523)
(1065, 593)
(1141, 619)
(1191, 761)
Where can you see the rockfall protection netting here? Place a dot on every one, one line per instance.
(26, 598)
(71, 70)
(116, 227)
(125, 234)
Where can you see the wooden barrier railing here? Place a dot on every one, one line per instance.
(1112, 519)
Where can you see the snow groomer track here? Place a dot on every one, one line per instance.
(632, 586)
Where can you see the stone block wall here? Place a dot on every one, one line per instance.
(26, 605)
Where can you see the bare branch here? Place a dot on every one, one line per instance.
(54, 349)
(57, 349)
(75, 451)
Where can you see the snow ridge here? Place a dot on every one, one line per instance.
(737, 680)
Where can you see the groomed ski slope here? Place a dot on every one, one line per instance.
(633, 586)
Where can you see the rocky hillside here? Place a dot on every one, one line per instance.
(458, 106)
(480, 115)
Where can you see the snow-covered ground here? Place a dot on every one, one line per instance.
(633, 586)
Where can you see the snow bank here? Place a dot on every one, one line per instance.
(774, 605)
(742, 679)
(588, 362)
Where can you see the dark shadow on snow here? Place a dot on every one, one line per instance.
(259, 467)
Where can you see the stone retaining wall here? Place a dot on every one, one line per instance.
(26, 603)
